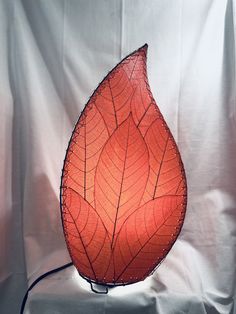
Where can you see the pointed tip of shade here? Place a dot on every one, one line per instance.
(144, 47)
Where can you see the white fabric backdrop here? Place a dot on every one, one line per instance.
(53, 55)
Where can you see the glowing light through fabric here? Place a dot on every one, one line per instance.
(123, 192)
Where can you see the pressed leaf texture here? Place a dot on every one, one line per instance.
(123, 191)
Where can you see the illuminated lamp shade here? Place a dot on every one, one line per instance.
(123, 189)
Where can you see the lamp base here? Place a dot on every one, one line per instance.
(101, 289)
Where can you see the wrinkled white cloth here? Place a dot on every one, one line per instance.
(53, 55)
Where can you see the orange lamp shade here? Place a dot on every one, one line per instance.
(123, 190)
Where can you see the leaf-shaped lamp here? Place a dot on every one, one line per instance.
(123, 188)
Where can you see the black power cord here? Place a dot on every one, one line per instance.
(39, 279)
